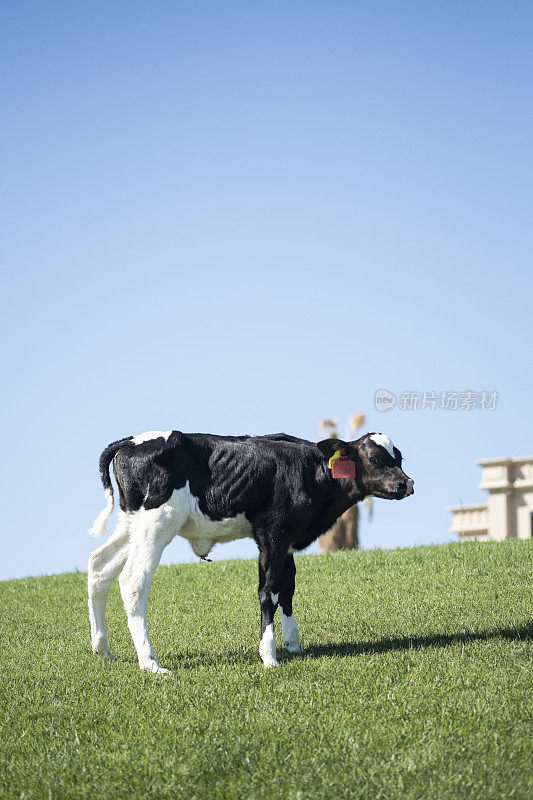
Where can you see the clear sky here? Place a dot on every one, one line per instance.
(245, 217)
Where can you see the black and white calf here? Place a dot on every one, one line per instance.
(277, 489)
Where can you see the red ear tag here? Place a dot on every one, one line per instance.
(343, 467)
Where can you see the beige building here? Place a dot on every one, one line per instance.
(508, 512)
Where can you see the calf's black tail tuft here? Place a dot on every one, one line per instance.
(100, 523)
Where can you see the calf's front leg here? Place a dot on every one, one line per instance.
(271, 560)
(289, 628)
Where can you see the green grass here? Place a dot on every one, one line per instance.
(416, 683)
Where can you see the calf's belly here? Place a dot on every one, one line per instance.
(181, 515)
(203, 533)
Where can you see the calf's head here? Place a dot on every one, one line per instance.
(378, 465)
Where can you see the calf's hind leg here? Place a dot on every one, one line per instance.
(105, 563)
(151, 531)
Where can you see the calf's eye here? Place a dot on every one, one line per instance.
(375, 461)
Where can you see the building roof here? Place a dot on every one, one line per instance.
(471, 507)
(488, 462)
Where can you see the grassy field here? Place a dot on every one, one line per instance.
(416, 683)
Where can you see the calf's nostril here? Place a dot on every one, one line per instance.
(402, 487)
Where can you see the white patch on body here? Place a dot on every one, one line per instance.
(274, 597)
(289, 631)
(146, 437)
(384, 441)
(267, 647)
(100, 523)
(201, 531)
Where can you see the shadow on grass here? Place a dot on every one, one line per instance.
(192, 659)
(523, 632)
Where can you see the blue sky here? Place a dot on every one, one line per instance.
(242, 218)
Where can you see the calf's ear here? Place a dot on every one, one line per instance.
(328, 447)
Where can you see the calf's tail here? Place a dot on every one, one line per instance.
(100, 523)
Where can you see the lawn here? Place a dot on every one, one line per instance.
(416, 683)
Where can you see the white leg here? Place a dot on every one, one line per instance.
(151, 531)
(289, 630)
(267, 647)
(105, 563)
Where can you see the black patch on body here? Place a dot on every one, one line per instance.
(278, 481)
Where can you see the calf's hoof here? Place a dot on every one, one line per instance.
(270, 661)
(151, 665)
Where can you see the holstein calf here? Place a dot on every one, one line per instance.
(281, 491)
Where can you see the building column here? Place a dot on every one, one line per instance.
(499, 513)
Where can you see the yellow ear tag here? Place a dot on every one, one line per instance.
(336, 455)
